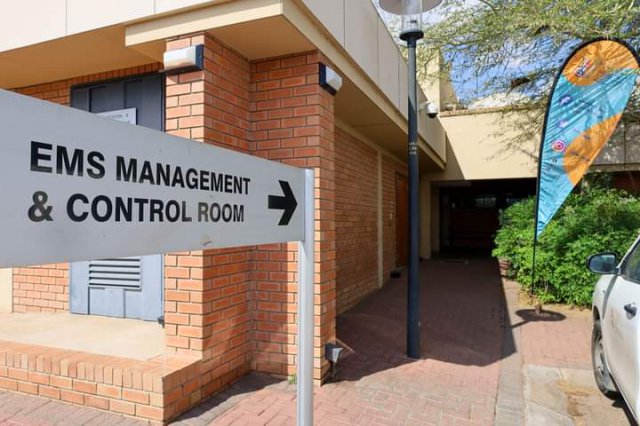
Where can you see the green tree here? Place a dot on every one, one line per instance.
(515, 47)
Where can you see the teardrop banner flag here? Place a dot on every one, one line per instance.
(588, 98)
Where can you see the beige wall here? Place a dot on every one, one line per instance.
(435, 220)
(429, 218)
(622, 152)
(20, 26)
(357, 27)
(350, 33)
(5, 290)
(486, 146)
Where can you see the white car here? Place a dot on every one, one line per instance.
(615, 343)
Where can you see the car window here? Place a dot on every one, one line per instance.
(631, 267)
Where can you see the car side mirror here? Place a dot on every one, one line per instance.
(603, 263)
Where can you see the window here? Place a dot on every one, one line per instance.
(485, 202)
(631, 267)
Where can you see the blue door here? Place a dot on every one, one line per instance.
(129, 287)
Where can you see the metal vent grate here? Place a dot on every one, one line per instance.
(120, 272)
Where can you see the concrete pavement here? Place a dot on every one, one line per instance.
(557, 385)
(126, 338)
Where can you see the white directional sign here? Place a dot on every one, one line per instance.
(76, 186)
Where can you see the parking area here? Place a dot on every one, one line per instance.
(558, 383)
(486, 360)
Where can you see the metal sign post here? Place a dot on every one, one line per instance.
(306, 273)
(76, 186)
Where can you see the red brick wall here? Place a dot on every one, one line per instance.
(126, 386)
(389, 169)
(207, 307)
(230, 307)
(41, 289)
(356, 220)
(293, 122)
(237, 307)
(46, 288)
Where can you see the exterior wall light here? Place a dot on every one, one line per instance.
(183, 60)
(329, 79)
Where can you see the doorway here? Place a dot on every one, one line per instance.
(470, 212)
(402, 220)
(128, 287)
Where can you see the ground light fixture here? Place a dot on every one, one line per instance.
(411, 13)
(332, 354)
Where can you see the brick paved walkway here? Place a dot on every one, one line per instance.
(455, 384)
(27, 410)
(564, 343)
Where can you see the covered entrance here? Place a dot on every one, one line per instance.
(470, 211)
(121, 287)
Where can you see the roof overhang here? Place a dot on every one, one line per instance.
(256, 29)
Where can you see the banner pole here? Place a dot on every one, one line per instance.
(535, 223)
(591, 88)
(306, 273)
(533, 270)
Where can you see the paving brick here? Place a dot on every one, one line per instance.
(455, 382)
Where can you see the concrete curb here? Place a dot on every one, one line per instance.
(510, 400)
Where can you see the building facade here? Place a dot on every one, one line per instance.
(219, 314)
(223, 312)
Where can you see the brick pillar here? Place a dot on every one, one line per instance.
(229, 307)
(293, 122)
(207, 309)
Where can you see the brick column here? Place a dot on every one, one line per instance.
(207, 309)
(216, 299)
(293, 122)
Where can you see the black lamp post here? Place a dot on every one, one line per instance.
(411, 12)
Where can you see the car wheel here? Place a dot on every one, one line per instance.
(600, 371)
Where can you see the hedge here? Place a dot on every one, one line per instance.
(591, 221)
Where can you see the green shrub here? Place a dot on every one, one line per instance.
(591, 221)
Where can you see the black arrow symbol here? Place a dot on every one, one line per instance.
(287, 203)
